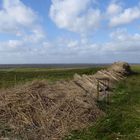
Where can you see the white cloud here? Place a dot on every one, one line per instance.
(126, 16)
(113, 9)
(35, 36)
(9, 46)
(122, 41)
(14, 15)
(22, 22)
(75, 15)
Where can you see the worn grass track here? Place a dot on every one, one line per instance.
(122, 121)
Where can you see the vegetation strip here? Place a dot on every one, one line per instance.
(10, 77)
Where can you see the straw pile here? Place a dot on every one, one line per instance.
(49, 112)
(43, 111)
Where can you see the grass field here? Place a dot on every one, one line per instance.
(11, 77)
(122, 121)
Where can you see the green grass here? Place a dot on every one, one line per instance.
(122, 120)
(136, 68)
(11, 77)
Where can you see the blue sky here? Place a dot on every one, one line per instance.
(69, 31)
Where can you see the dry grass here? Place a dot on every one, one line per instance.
(39, 110)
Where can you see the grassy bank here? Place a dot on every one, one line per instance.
(122, 121)
(11, 77)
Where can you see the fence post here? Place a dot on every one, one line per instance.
(105, 82)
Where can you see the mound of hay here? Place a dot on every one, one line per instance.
(49, 112)
(46, 112)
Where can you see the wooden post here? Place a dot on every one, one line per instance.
(105, 82)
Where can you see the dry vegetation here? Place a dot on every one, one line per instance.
(39, 110)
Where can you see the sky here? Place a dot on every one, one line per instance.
(69, 31)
